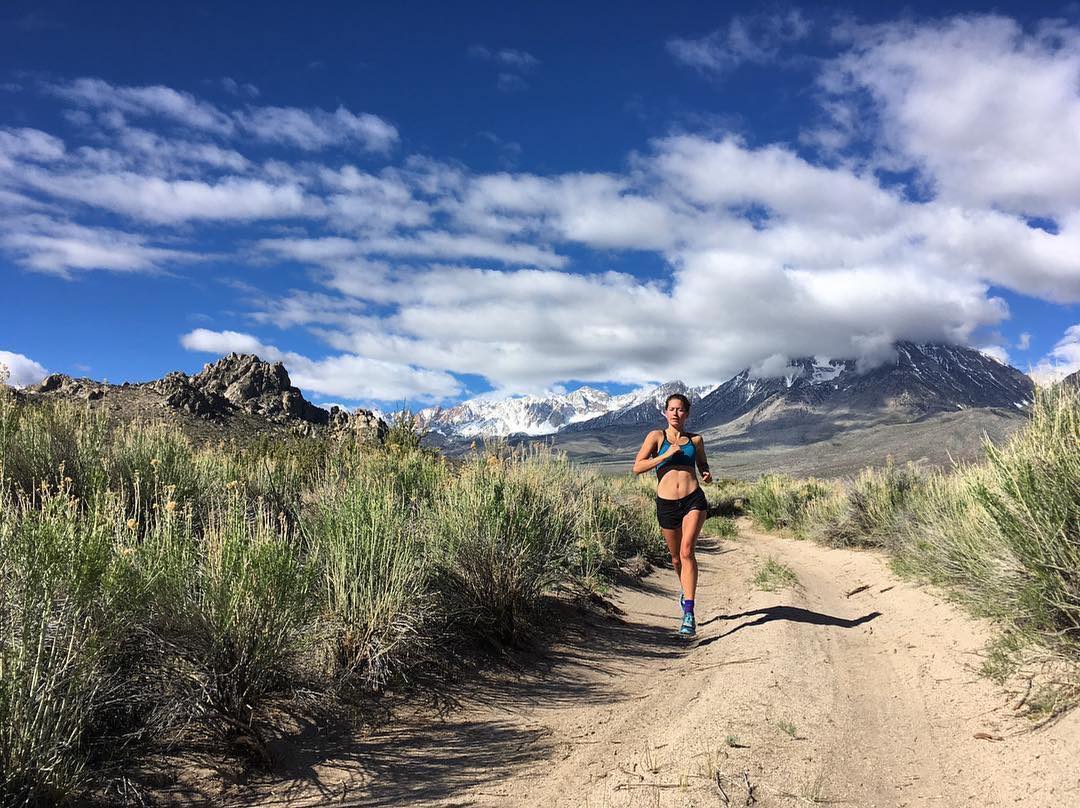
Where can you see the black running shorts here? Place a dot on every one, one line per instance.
(670, 512)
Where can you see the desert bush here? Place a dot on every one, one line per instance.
(60, 611)
(1031, 493)
(499, 539)
(949, 539)
(868, 512)
(233, 603)
(56, 442)
(778, 502)
(364, 538)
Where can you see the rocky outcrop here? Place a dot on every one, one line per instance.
(256, 387)
(182, 395)
(363, 425)
(236, 384)
(58, 384)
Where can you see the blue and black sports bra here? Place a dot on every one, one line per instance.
(683, 458)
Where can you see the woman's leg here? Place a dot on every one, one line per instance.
(673, 540)
(691, 526)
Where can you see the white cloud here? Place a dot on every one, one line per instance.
(156, 199)
(225, 342)
(998, 352)
(1062, 360)
(756, 39)
(1024, 342)
(989, 113)
(316, 129)
(346, 376)
(29, 144)
(61, 248)
(179, 107)
(507, 57)
(22, 370)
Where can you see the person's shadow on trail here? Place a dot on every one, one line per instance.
(792, 613)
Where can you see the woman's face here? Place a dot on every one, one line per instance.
(676, 413)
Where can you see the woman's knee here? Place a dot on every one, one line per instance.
(686, 554)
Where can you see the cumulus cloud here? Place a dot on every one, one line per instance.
(347, 376)
(755, 39)
(1024, 342)
(20, 370)
(988, 113)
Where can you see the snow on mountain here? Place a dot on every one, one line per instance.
(529, 415)
(925, 378)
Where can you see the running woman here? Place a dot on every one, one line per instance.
(681, 507)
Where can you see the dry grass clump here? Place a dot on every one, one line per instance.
(153, 592)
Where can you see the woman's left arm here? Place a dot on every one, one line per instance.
(702, 462)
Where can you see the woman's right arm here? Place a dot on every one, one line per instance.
(645, 460)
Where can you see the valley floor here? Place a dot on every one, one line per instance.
(814, 694)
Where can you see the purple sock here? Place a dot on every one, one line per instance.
(688, 607)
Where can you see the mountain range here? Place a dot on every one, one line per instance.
(922, 379)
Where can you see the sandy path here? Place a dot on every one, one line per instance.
(807, 694)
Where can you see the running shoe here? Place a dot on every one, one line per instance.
(689, 625)
(682, 599)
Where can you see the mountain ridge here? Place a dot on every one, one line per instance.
(921, 379)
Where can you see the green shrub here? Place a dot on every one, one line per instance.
(778, 502)
(372, 576)
(500, 539)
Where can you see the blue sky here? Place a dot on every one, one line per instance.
(427, 201)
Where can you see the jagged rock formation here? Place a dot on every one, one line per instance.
(61, 385)
(237, 386)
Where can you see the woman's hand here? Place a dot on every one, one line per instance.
(706, 477)
(672, 450)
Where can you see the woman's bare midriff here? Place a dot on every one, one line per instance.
(677, 484)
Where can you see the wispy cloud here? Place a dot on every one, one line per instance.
(506, 57)
(149, 101)
(62, 248)
(308, 129)
(513, 66)
(755, 39)
(313, 130)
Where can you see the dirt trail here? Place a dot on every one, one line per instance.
(808, 694)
